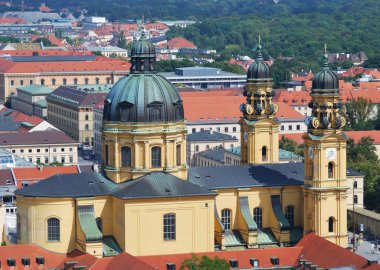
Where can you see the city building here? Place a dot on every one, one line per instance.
(31, 99)
(109, 51)
(147, 201)
(71, 110)
(204, 78)
(55, 71)
(41, 147)
(15, 121)
(207, 139)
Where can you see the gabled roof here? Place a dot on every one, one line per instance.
(35, 138)
(159, 185)
(153, 185)
(325, 254)
(287, 257)
(244, 176)
(214, 154)
(178, 42)
(75, 97)
(35, 89)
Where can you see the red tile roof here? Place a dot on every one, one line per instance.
(178, 42)
(293, 98)
(355, 135)
(100, 64)
(35, 174)
(53, 39)
(211, 106)
(325, 254)
(12, 21)
(45, 52)
(17, 252)
(287, 257)
(126, 261)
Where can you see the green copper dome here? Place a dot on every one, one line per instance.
(143, 95)
(259, 70)
(325, 79)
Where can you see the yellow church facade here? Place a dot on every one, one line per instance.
(146, 201)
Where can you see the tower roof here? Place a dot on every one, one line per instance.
(143, 95)
(326, 79)
(259, 70)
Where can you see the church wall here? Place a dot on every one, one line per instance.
(144, 226)
(118, 221)
(261, 197)
(33, 215)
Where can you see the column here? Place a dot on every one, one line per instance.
(146, 155)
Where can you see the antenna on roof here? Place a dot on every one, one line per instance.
(259, 40)
(325, 48)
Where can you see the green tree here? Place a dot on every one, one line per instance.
(204, 263)
(9, 39)
(121, 41)
(226, 67)
(287, 144)
(361, 151)
(45, 41)
(372, 62)
(358, 113)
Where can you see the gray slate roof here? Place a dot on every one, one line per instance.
(245, 176)
(214, 154)
(153, 185)
(36, 137)
(207, 135)
(74, 97)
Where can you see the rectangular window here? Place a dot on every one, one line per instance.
(13, 151)
(226, 129)
(54, 159)
(282, 128)
(70, 149)
(71, 159)
(62, 159)
(30, 150)
(169, 227)
(46, 150)
(21, 150)
(298, 127)
(38, 150)
(290, 127)
(234, 129)
(46, 160)
(30, 159)
(38, 160)
(62, 149)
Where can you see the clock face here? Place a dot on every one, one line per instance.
(331, 153)
(311, 154)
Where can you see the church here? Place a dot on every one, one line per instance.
(147, 201)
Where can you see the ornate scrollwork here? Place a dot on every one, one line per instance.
(315, 122)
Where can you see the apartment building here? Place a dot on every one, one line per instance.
(41, 147)
(55, 71)
(31, 99)
(71, 110)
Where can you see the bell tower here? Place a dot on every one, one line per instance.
(259, 126)
(325, 188)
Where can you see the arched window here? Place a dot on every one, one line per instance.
(264, 153)
(355, 184)
(86, 127)
(155, 114)
(64, 81)
(169, 226)
(331, 224)
(226, 219)
(12, 82)
(53, 81)
(53, 226)
(99, 223)
(97, 80)
(126, 156)
(178, 155)
(75, 81)
(42, 82)
(355, 199)
(197, 148)
(331, 170)
(156, 156)
(85, 80)
(289, 214)
(106, 154)
(86, 117)
(258, 216)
